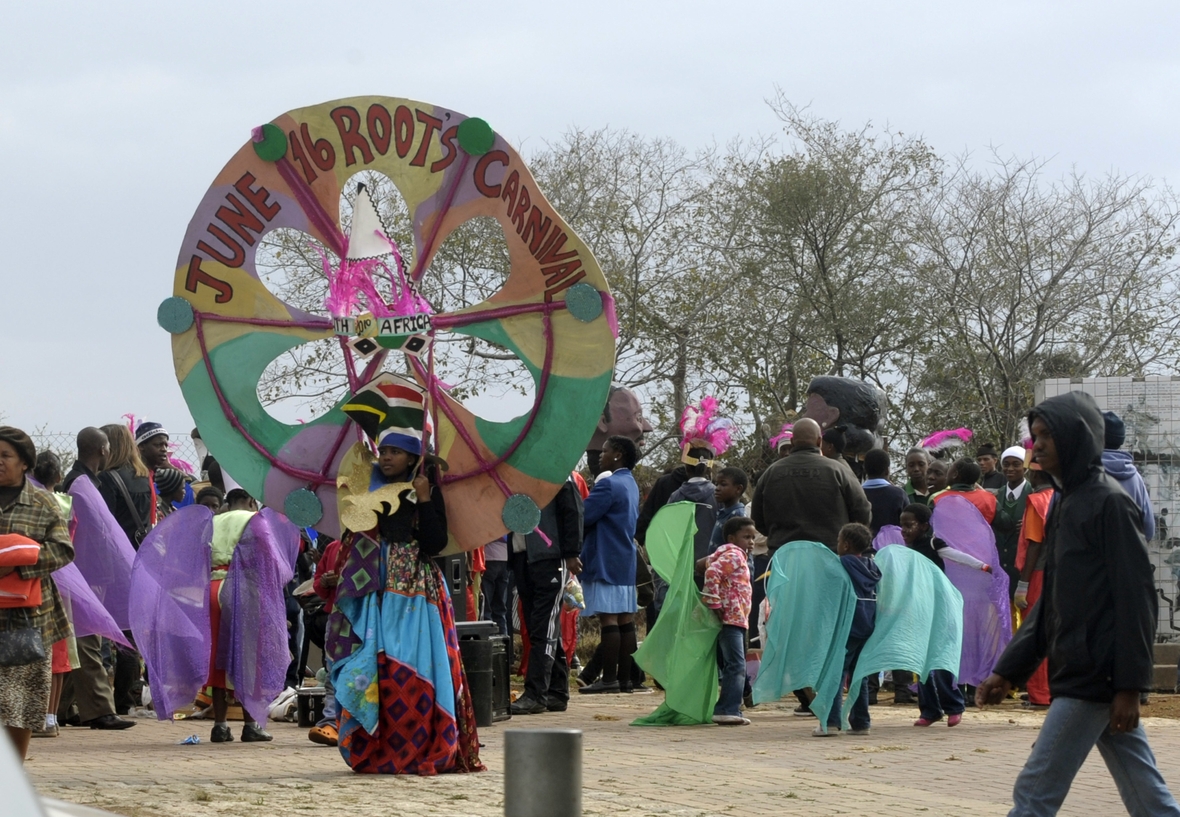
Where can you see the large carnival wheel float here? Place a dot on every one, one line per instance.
(554, 311)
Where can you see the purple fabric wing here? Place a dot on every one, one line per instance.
(170, 606)
(252, 644)
(102, 551)
(888, 535)
(987, 613)
(86, 612)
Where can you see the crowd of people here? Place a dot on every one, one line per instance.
(1069, 514)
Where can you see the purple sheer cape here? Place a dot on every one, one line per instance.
(86, 612)
(169, 606)
(102, 551)
(888, 535)
(252, 643)
(987, 614)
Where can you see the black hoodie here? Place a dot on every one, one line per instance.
(1096, 618)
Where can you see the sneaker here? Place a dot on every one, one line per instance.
(731, 720)
(555, 705)
(818, 732)
(253, 733)
(642, 689)
(526, 705)
(954, 720)
(924, 722)
(802, 711)
(599, 688)
(325, 735)
(45, 732)
(221, 734)
(859, 732)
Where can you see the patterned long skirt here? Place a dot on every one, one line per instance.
(404, 703)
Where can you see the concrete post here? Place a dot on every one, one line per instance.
(542, 773)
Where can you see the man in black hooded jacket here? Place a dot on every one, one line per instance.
(1095, 622)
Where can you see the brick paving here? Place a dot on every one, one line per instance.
(773, 767)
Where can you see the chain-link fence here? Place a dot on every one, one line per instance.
(64, 444)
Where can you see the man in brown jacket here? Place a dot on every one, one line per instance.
(807, 497)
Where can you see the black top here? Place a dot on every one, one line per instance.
(78, 470)
(994, 480)
(1096, 619)
(657, 498)
(888, 502)
(423, 522)
(140, 489)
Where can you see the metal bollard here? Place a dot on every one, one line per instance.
(543, 773)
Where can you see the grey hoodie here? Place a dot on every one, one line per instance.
(1120, 466)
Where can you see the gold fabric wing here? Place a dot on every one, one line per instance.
(357, 505)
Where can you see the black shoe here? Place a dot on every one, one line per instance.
(907, 698)
(599, 688)
(108, 722)
(554, 705)
(872, 700)
(253, 733)
(221, 734)
(802, 711)
(748, 701)
(626, 690)
(526, 705)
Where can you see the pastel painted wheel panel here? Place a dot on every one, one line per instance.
(448, 172)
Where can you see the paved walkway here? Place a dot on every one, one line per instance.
(773, 767)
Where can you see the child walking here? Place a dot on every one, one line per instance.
(855, 549)
(729, 592)
(938, 694)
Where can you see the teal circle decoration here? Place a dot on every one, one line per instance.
(175, 315)
(476, 136)
(273, 145)
(520, 514)
(584, 302)
(303, 508)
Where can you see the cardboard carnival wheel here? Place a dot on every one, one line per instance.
(554, 311)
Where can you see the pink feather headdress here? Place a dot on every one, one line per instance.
(944, 440)
(784, 436)
(701, 427)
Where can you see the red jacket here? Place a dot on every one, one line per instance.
(327, 564)
(19, 551)
(984, 500)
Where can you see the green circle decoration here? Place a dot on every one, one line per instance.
(273, 145)
(303, 508)
(584, 302)
(175, 315)
(476, 136)
(520, 514)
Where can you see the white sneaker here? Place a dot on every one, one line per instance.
(731, 720)
(819, 732)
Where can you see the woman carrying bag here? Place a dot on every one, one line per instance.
(32, 617)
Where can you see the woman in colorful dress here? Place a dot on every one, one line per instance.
(405, 707)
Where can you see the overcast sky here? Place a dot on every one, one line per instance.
(115, 117)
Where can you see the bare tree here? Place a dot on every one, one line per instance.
(1030, 279)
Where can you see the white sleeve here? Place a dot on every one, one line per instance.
(961, 557)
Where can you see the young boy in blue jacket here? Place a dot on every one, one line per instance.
(855, 549)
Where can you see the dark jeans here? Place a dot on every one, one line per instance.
(759, 566)
(540, 585)
(938, 695)
(731, 663)
(858, 716)
(495, 593)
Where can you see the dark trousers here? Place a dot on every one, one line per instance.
(939, 695)
(495, 593)
(87, 687)
(540, 585)
(759, 566)
(128, 672)
(858, 716)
